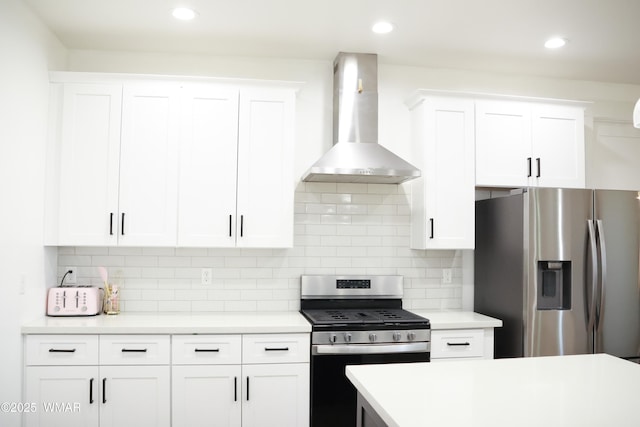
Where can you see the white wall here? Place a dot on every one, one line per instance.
(27, 50)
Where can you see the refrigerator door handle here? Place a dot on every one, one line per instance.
(591, 311)
(603, 266)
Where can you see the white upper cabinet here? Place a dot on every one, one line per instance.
(236, 183)
(503, 143)
(146, 162)
(527, 143)
(442, 209)
(89, 164)
(208, 166)
(149, 165)
(265, 173)
(558, 146)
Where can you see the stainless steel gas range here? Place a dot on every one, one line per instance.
(356, 320)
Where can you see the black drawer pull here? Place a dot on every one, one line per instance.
(276, 349)
(247, 389)
(235, 389)
(104, 390)
(458, 344)
(207, 350)
(91, 391)
(529, 167)
(539, 174)
(62, 350)
(134, 350)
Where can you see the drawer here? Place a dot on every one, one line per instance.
(275, 348)
(206, 349)
(457, 343)
(61, 350)
(134, 349)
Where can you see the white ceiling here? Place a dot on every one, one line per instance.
(486, 35)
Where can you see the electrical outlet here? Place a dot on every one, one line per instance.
(446, 275)
(205, 276)
(71, 277)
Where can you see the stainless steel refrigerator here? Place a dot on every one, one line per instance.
(560, 267)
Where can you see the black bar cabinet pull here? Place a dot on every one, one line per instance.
(276, 349)
(458, 344)
(122, 225)
(206, 350)
(104, 390)
(62, 350)
(247, 389)
(134, 350)
(241, 225)
(111, 224)
(229, 225)
(91, 391)
(235, 389)
(529, 167)
(538, 164)
(431, 226)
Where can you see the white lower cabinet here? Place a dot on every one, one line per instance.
(461, 344)
(234, 380)
(161, 380)
(128, 392)
(54, 388)
(206, 395)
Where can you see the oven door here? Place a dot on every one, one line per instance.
(333, 397)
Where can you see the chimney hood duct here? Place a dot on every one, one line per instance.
(356, 155)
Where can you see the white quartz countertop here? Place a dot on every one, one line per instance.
(222, 323)
(458, 319)
(170, 323)
(560, 391)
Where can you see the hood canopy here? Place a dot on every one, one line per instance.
(356, 155)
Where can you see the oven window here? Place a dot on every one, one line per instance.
(333, 397)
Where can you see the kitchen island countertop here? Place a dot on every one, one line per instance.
(558, 391)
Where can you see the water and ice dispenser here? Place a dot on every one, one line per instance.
(554, 285)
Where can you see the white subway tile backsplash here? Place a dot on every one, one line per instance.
(339, 229)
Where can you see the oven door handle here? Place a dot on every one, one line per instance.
(414, 347)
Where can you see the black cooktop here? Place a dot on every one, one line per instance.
(363, 317)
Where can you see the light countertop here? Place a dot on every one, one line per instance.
(169, 323)
(221, 323)
(560, 391)
(458, 319)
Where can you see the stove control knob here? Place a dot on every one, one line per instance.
(373, 337)
(396, 336)
(347, 337)
(411, 336)
(332, 338)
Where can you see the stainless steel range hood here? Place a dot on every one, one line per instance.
(356, 155)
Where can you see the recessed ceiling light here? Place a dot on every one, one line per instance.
(382, 27)
(183, 13)
(555, 42)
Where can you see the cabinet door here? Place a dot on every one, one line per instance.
(65, 396)
(276, 395)
(135, 396)
(149, 165)
(265, 168)
(208, 167)
(558, 146)
(503, 143)
(89, 156)
(206, 396)
(443, 200)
